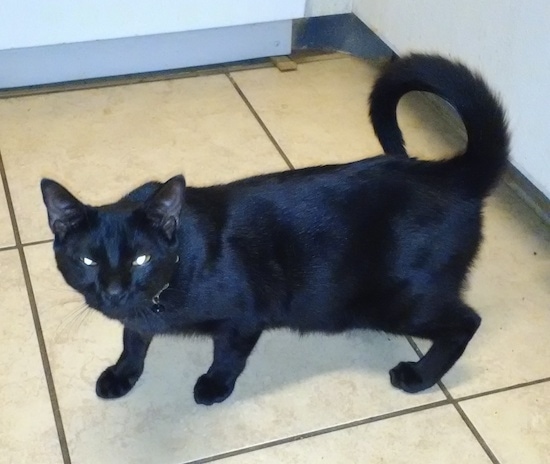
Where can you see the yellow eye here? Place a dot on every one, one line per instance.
(87, 261)
(141, 260)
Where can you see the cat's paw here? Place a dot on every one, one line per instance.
(407, 377)
(211, 389)
(111, 384)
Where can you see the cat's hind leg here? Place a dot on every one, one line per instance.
(450, 327)
(232, 346)
(117, 380)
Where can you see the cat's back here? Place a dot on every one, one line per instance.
(322, 185)
(359, 195)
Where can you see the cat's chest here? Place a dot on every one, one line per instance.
(172, 311)
(158, 317)
(193, 304)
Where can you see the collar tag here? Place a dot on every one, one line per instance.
(157, 306)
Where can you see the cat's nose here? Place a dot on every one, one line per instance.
(114, 292)
(114, 289)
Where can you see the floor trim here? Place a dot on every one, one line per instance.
(528, 193)
(343, 33)
(102, 58)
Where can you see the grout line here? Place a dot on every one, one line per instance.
(8, 248)
(414, 346)
(475, 432)
(260, 122)
(503, 389)
(38, 242)
(460, 411)
(323, 431)
(36, 319)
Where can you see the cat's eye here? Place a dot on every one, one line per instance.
(141, 260)
(87, 261)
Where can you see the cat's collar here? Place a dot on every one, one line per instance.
(157, 306)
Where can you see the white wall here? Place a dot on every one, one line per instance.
(507, 40)
(43, 42)
(31, 23)
(327, 7)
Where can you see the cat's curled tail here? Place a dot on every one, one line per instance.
(479, 168)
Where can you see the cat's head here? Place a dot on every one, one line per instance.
(117, 256)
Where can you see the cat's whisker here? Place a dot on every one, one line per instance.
(72, 322)
(75, 313)
(85, 316)
(63, 305)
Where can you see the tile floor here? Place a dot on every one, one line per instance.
(311, 399)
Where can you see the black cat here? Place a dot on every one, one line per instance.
(383, 243)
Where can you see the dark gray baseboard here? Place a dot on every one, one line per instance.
(528, 193)
(342, 33)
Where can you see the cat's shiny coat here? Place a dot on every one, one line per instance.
(383, 243)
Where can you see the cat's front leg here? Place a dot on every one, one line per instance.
(117, 380)
(232, 346)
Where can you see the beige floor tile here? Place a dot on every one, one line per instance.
(103, 142)
(319, 113)
(510, 288)
(291, 385)
(6, 232)
(515, 424)
(27, 427)
(433, 436)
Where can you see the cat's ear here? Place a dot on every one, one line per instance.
(64, 210)
(164, 207)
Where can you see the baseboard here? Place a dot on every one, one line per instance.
(343, 33)
(530, 194)
(103, 58)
